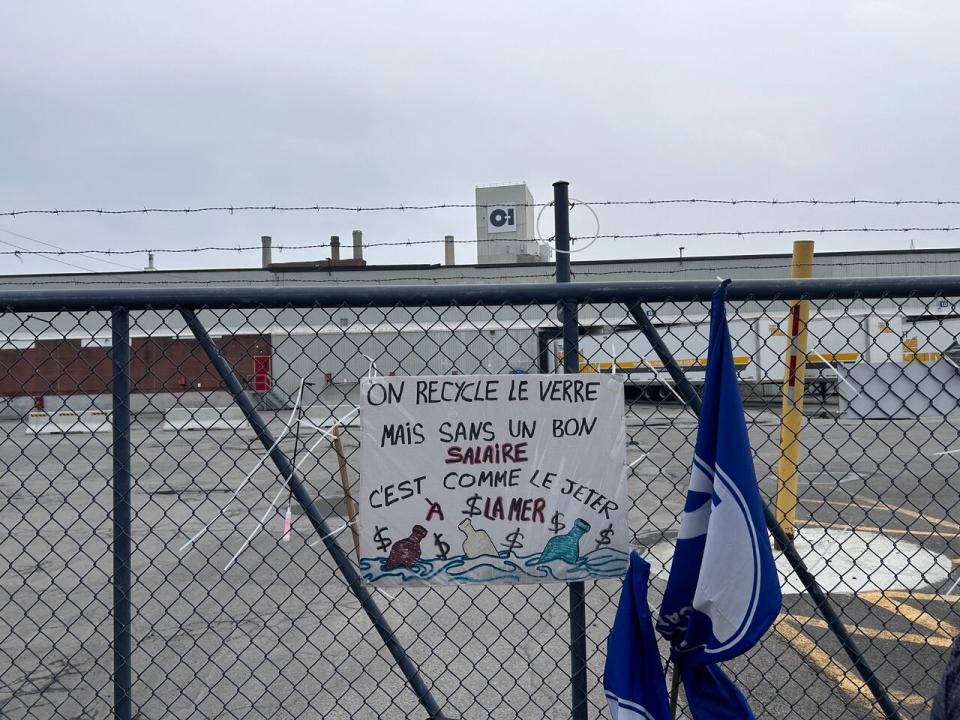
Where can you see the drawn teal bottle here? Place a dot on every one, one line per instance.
(565, 547)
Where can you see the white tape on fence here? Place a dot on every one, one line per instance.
(68, 421)
(204, 418)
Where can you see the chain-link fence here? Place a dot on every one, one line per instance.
(232, 615)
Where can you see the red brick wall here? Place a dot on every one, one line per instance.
(157, 365)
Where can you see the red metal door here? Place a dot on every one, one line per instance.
(261, 373)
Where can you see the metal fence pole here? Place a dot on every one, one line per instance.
(120, 357)
(544, 337)
(256, 298)
(785, 542)
(299, 490)
(571, 364)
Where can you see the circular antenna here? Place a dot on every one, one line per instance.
(573, 203)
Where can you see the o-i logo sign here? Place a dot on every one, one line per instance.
(501, 218)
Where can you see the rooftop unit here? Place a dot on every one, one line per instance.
(506, 226)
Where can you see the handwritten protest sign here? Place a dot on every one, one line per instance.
(492, 479)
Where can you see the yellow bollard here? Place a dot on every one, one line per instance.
(791, 419)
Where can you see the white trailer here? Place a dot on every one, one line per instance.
(759, 346)
(927, 339)
(333, 358)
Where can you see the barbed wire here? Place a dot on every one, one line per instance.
(46, 256)
(59, 249)
(548, 274)
(781, 231)
(444, 206)
(772, 202)
(409, 243)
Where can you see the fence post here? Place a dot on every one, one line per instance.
(120, 357)
(571, 364)
(784, 541)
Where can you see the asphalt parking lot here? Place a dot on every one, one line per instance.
(279, 635)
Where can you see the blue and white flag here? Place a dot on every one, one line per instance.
(633, 676)
(711, 695)
(723, 592)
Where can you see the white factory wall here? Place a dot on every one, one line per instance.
(17, 329)
(402, 351)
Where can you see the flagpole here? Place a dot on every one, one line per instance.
(674, 690)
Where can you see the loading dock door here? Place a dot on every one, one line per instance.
(261, 373)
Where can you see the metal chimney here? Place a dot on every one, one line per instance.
(335, 248)
(150, 266)
(266, 241)
(448, 250)
(357, 245)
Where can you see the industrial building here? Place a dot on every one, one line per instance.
(332, 348)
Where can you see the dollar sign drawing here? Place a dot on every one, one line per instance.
(604, 536)
(442, 547)
(556, 523)
(513, 542)
(472, 508)
(382, 541)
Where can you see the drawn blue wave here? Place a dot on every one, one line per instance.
(602, 563)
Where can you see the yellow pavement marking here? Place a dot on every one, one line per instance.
(875, 634)
(821, 501)
(911, 595)
(905, 698)
(932, 520)
(848, 680)
(935, 522)
(914, 615)
(888, 531)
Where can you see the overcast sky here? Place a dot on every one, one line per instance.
(185, 104)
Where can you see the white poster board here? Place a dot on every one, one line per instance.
(492, 479)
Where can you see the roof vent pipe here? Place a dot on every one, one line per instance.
(448, 250)
(357, 245)
(266, 241)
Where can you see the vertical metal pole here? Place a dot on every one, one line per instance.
(120, 355)
(674, 690)
(784, 541)
(571, 364)
(544, 338)
(791, 414)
